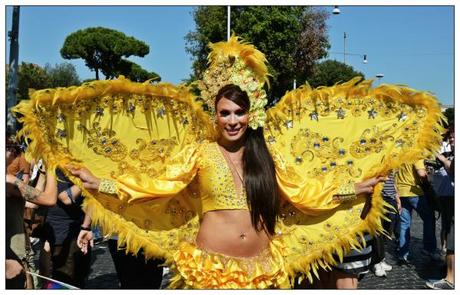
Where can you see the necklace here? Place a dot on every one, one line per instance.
(227, 156)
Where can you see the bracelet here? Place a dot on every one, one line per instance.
(345, 192)
(347, 188)
(344, 198)
(85, 228)
(107, 186)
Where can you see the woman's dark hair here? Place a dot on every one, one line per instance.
(259, 169)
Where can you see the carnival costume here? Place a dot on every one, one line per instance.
(155, 146)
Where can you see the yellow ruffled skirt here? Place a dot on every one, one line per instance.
(196, 268)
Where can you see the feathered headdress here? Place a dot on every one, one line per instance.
(239, 63)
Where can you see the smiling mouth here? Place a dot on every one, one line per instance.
(233, 131)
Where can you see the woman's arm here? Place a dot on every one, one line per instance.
(314, 196)
(48, 197)
(446, 162)
(85, 236)
(40, 185)
(70, 195)
(31, 205)
(178, 173)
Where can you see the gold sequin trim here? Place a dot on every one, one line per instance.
(107, 186)
(344, 198)
(347, 188)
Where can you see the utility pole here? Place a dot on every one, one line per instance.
(344, 48)
(228, 22)
(11, 92)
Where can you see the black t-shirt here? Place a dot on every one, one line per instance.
(63, 221)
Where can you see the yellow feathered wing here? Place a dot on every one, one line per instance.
(118, 127)
(345, 133)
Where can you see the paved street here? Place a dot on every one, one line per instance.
(411, 276)
(414, 275)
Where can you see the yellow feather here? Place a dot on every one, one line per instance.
(252, 57)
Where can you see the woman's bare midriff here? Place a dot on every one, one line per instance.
(231, 233)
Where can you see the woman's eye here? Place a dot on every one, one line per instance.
(240, 113)
(224, 113)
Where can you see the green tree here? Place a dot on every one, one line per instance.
(135, 72)
(211, 26)
(330, 72)
(292, 38)
(87, 80)
(450, 115)
(31, 76)
(102, 49)
(62, 75)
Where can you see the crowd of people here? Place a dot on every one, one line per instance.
(238, 238)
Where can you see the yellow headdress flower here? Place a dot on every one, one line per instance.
(238, 63)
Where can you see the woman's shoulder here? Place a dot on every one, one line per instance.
(206, 146)
(201, 149)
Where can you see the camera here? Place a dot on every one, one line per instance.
(436, 164)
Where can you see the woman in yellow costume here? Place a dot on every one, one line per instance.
(232, 196)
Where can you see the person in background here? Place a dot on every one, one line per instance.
(133, 271)
(19, 166)
(443, 184)
(391, 196)
(409, 181)
(345, 275)
(17, 193)
(60, 256)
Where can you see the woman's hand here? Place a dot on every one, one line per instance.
(89, 180)
(13, 269)
(85, 237)
(367, 186)
(445, 161)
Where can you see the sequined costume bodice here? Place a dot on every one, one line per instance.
(216, 185)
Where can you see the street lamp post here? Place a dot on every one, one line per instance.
(228, 22)
(379, 76)
(336, 10)
(363, 56)
(11, 93)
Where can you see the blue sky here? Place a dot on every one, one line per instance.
(412, 45)
(43, 29)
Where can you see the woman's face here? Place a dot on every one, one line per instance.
(232, 120)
